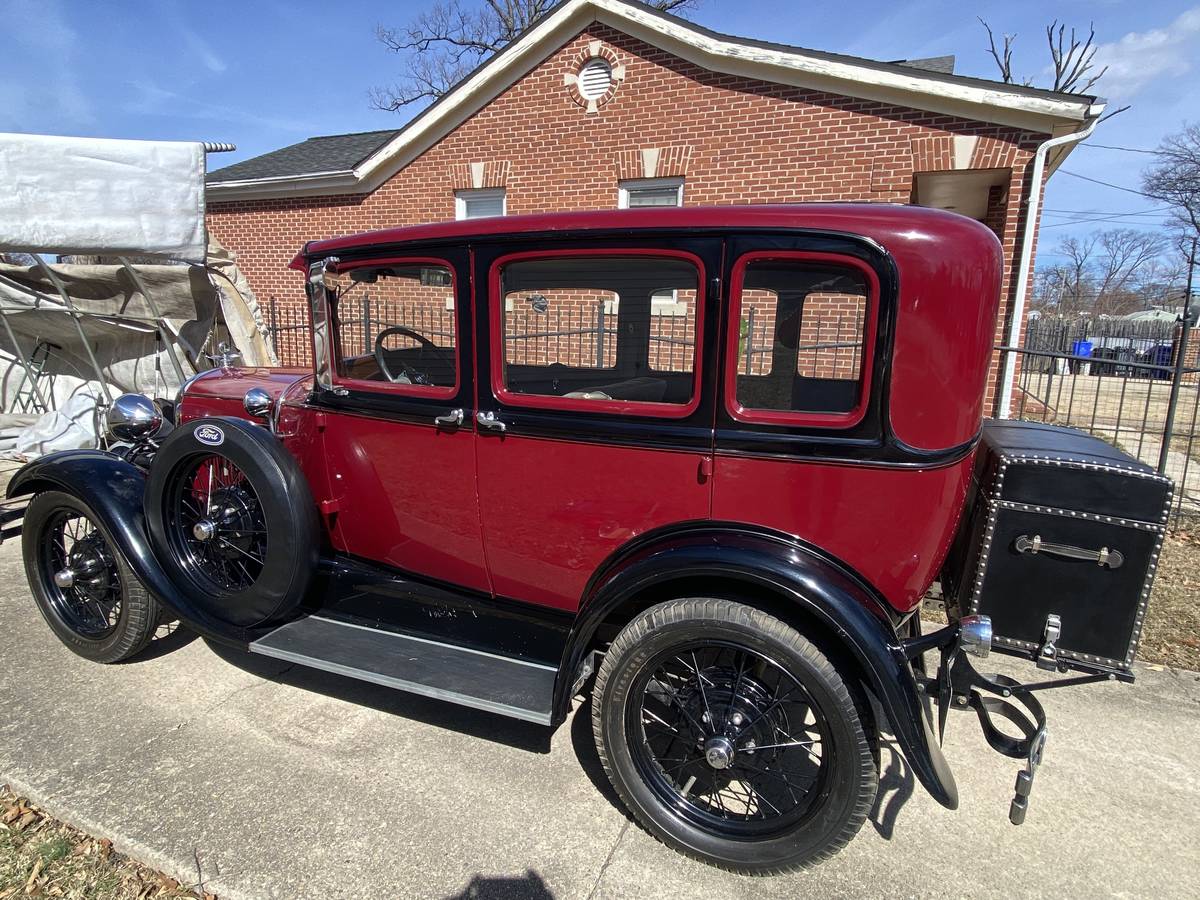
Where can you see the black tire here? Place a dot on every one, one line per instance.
(107, 616)
(258, 566)
(771, 820)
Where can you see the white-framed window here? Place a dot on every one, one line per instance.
(478, 203)
(643, 192)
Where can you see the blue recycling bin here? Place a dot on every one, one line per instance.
(1081, 348)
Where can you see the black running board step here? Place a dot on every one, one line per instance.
(499, 684)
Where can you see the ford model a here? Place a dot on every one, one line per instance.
(702, 464)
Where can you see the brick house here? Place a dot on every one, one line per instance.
(606, 103)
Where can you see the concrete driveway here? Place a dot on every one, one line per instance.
(272, 781)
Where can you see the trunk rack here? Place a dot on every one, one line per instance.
(958, 685)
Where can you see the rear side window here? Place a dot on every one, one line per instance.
(598, 332)
(801, 350)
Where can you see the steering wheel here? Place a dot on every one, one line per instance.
(408, 375)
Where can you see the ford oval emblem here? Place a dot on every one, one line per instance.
(211, 435)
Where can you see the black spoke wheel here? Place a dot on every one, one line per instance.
(728, 738)
(215, 522)
(732, 738)
(232, 521)
(81, 583)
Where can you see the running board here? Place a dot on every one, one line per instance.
(499, 684)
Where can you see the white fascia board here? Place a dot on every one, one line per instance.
(309, 184)
(914, 89)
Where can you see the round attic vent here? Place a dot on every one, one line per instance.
(595, 78)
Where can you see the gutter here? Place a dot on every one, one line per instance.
(1025, 267)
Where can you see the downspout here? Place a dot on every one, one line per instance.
(1009, 370)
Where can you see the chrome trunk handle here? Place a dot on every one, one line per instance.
(452, 419)
(488, 421)
(1112, 559)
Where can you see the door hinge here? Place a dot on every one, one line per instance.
(329, 507)
(706, 468)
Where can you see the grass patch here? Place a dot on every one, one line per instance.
(42, 857)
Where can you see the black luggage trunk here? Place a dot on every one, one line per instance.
(1062, 545)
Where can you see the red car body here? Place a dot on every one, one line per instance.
(514, 518)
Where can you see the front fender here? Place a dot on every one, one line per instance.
(775, 565)
(114, 488)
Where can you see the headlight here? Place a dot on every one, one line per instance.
(133, 418)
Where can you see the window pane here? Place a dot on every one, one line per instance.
(666, 196)
(395, 325)
(800, 342)
(477, 204)
(595, 328)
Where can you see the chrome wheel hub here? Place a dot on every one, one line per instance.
(718, 752)
(204, 530)
(64, 578)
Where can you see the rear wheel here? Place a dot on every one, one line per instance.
(82, 585)
(732, 738)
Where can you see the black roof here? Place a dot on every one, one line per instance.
(942, 64)
(329, 153)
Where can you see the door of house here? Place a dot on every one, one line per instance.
(594, 404)
(399, 433)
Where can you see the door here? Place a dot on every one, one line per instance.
(397, 402)
(595, 403)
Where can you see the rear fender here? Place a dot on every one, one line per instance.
(819, 589)
(114, 488)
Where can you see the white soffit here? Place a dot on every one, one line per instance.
(913, 88)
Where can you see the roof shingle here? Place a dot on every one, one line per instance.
(329, 153)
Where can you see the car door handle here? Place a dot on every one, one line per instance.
(452, 419)
(488, 421)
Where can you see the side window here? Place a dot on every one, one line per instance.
(802, 347)
(395, 327)
(585, 331)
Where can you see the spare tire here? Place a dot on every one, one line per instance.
(232, 520)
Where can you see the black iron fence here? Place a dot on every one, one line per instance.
(583, 334)
(1123, 381)
(1113, 378)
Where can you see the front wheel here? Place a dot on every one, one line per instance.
(732, 738)
(81, 583)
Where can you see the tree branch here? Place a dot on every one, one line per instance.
(443, 44)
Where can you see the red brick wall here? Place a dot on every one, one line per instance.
(735, 140)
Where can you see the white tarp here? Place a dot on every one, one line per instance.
(94, 196)
(198, 305)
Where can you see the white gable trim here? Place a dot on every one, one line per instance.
(980, 101)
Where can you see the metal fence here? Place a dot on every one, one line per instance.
(1116, 379)
(1112, 378)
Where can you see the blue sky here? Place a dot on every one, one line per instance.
(267, 73)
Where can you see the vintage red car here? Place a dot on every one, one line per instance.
(703, 464)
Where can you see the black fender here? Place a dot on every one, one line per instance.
(775, 565)
(113, 488)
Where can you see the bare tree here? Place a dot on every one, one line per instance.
(1110, 272)
(442, 45)
(1174, 178)
(1072, 57)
